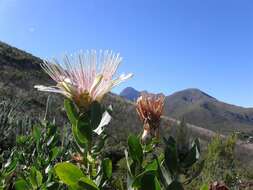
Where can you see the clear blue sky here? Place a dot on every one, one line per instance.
(169, 45)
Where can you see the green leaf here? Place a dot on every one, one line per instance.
(175, 185)
(157, 184)
(75, 187)
(39, 178)
(150, 182)
(127, 163)
(150, 169)
(54, 153)
(35, 177)
(138, 180)
(105, 173)
(10, 166)
(36, 135)
(96, 114)
(204, 187)
(68, 173)
(21, 185)
(135, 149)
(87, 184)
(80, 140)
(107, 168)
(71, 111)
(84, 127)
(82, 131)
(152, 166)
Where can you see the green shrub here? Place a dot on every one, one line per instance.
(220, 162)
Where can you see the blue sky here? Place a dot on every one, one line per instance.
(169, 45)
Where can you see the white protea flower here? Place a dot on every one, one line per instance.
(84, 77)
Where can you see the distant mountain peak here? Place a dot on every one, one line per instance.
(197, 91)
(193, 95)
(129, 88)
(130, 93)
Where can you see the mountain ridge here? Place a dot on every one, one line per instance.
(128, 90)
(199, 108)
(20, 71)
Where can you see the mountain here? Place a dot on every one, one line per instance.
(130, 93)
(201, 109)
(20, 71)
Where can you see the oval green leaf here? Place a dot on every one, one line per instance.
(87, 184)
(68, 173)
(71, 111)
(135, 149)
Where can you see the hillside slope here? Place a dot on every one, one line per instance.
(20, 71)
(203, 110)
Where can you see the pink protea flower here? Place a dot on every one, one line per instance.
(85, 77)
(150, 108)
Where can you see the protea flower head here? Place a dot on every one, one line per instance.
(84, 77)
(150, 108)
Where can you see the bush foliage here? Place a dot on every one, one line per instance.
(37, 154)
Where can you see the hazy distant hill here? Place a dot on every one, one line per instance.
(201, 109)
